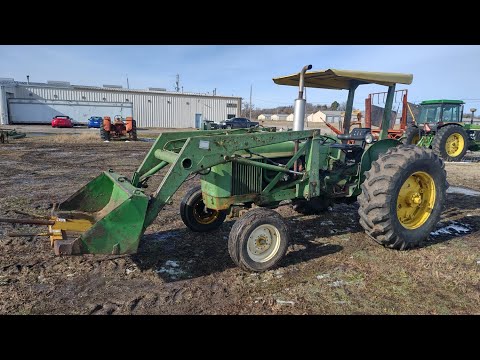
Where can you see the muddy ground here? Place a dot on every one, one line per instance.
(331, 268)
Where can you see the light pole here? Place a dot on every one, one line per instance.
(251, 85)
(473, 113)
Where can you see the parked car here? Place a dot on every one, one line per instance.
(95, 122)
(210, 125)
(237, 123)
(62, 121)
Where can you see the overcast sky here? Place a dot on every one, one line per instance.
(449, 72)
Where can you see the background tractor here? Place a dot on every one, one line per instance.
(119, 129)
(439, 126)
(248, 172)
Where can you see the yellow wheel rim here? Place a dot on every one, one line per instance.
(454, 145)
(415, 139)
(416, 199)
(204, 215)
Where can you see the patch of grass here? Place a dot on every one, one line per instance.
(73, 138)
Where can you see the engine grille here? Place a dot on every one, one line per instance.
(246, 179)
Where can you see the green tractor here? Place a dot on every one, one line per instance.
(248, 172)
(439, 127)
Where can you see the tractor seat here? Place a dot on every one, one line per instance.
(357, 135)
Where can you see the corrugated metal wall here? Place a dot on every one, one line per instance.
(149, 109)
(27, 111)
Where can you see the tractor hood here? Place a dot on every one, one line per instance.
(343, 79)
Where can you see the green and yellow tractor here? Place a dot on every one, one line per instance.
(439, 127)
(248, 172)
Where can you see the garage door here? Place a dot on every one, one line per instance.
(27, 111)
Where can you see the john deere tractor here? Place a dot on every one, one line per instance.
(439, 127)
(248, 172)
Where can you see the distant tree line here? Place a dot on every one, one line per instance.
(310, 108)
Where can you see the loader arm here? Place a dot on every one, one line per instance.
(199, 153)
(174, 142)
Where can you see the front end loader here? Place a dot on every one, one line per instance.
(248, 172)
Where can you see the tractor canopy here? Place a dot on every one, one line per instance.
(349, 80)
(440, 111)
(344, 79)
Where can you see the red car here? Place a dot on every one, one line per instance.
(62, 121)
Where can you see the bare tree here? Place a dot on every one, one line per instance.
(343, 106)
(245, 112)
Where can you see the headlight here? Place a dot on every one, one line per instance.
(369, 138)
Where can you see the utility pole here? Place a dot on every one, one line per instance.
(251, 85)
(128, 85)
(177, 83)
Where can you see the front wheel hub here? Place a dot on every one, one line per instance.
(204, 215)
(263, 243)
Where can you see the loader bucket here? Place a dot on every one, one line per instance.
(106, 216)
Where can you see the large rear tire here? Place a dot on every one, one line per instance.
(412, 135)
(258, 240)
(196, 216)
(104, 135)
(403, 196)
(133, 132)
(450, 143)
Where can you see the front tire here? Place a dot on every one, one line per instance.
(196, 216)
(258, 240)
(450, 143)
(403, 196)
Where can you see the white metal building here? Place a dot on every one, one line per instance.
(263, 117)
(279, 117)
(24, 103)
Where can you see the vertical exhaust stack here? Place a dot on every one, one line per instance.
(299, 110)
(299, 106)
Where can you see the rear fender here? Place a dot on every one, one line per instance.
(373, 153)
(129, 123)
(107, 123)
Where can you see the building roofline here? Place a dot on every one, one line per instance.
(123, 90)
